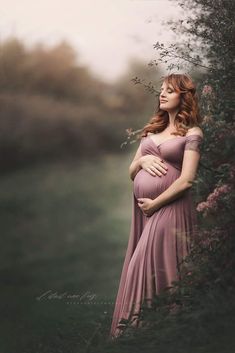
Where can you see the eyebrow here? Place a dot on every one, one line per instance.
(168, 87)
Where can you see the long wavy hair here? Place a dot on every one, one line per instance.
(188, 114)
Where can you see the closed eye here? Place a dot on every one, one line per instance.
(169, 90)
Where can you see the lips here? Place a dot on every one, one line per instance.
(163, 101)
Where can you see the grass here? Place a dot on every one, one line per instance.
(64, 229)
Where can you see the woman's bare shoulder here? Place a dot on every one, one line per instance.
(195, 130)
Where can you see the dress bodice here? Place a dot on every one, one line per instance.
(171, 150)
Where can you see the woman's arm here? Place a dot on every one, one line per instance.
(174, 191)
(185, 181)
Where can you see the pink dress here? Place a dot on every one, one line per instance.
(157, 244)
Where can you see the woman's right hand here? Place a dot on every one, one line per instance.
(153, 165)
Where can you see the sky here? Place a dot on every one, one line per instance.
(104, 33)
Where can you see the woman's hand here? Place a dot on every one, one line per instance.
(147, 206)
(154, 165)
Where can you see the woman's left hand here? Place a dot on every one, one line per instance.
(147, 206)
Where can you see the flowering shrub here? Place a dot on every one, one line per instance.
(211, 204)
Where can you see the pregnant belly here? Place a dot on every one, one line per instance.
(147, 185)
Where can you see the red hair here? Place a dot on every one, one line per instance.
(188, 114)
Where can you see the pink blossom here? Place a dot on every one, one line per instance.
(211, 203)
(202, 206)
(207, 89)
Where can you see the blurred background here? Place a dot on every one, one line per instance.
(67, 97)
(66, 100)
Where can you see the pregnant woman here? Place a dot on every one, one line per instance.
(163, 215)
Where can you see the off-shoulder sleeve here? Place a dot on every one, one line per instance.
(142, 139)
(193, 142)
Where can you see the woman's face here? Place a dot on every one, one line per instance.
(169, 98)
